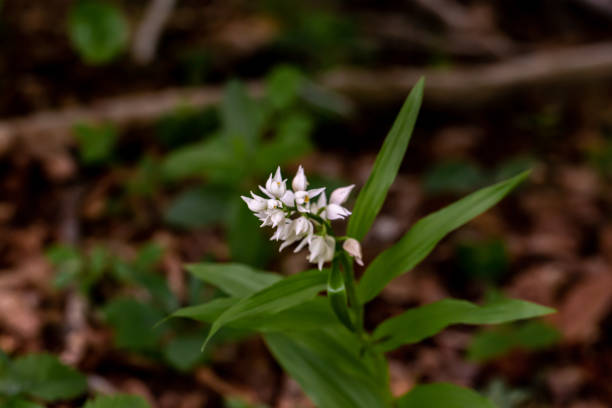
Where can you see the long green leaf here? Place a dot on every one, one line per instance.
(233, 278)
(372, 195)
(417, 324)
(426, 233)
(442, 395)
(280, 296)
(328, 365)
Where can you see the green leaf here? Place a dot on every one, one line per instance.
(372, 195)
(214, 154)
(280, 296)
(133, 323)
(19, 403)
(283, 86)
(248, 243)
(241, 115)
(426, 233)
(330, 368)
(198, 207)
(96, 142)
(98, 30)
(417, 324)
(183, 351)
(233, 278)
(442, 395)
(336, 292)
(489, 344)
(42, 376)
(117, 401)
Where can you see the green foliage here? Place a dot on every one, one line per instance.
(75, 268)
(453, 177)
(19, 403)
(184, 352)
(134, 324)
(233, 278)
(96, 142)
(339, 365)
(487, 260)
(417, 324)
(331, 369)
(489, 344)
(277, 297)
(117, 401)
(186, 125)
(237, 403)
(426, 233)
(198, 207)
(40, 376)
(372, 195)
(442, 395)
(98, 31)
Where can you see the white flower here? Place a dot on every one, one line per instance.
(303, 198)
(300, 228)
(276, 217)
(353, 248)
(335, 210)
(282, 232)
(275, 186)
(299, 182)
(288, 198)
(318, 208)
(255, 204)
(322, 250)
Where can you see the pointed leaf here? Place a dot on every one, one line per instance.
(419, 323)
(330, 369)
(442, 395)
(372, 195)
(233, 278)
(280, 296)
(426, 233)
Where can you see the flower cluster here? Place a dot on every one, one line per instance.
(297, 217)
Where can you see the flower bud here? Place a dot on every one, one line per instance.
(339, 195)
(336, 212)
(353, 248)
(299, 182)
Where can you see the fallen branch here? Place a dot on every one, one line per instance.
(149, 31)
(453, 87)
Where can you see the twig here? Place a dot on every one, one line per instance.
(148, 33)
(454, 87)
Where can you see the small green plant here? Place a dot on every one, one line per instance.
(37, 377)
(98, 31)
(96, 143)
(321, 340)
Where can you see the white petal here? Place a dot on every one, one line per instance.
(299, 182)
(353, 248)
(336, 212)
(339, 195)
(266, 192)
(277, 176)
(315, 192)
(288, 198)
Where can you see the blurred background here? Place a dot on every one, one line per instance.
(128, 130)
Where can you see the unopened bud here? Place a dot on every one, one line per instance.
(353, 248)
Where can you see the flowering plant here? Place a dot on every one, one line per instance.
(320, 340)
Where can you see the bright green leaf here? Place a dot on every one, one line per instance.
(372, 195)
(280, 296)
(329, 367)
(233, 278)
(426, 233)
(117, 401)
(442, 395)
(98, 30)
(419, 323)
(336, 292)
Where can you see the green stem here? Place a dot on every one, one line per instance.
(351, 290)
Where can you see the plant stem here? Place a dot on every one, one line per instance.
(351, 290)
